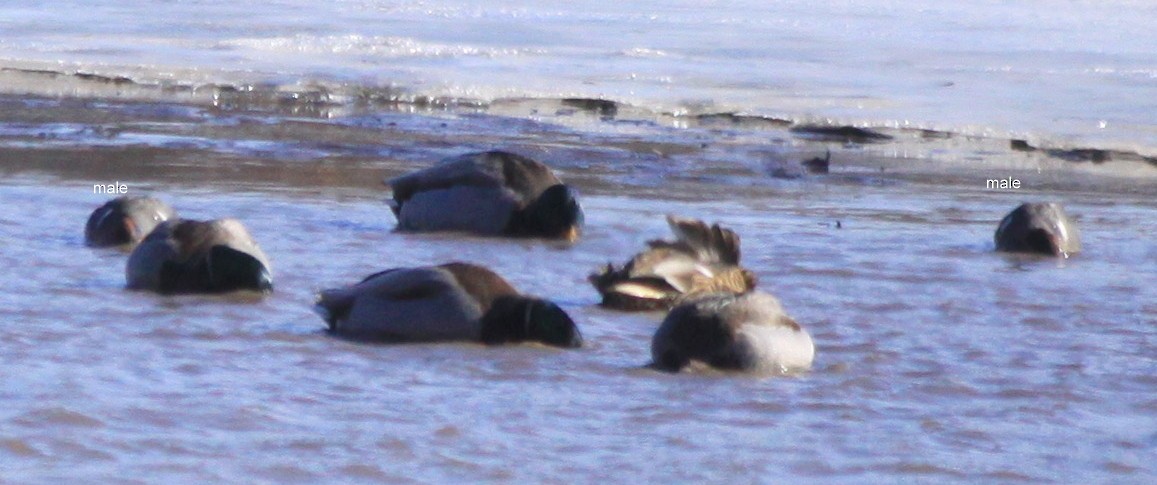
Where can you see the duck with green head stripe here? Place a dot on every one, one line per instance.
(125, 221)
(1041, 228)
(187, 256)
(448, 302)
(747, 332)
(492, 193)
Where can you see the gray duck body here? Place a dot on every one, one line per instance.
(188, 256)
(449, 302)
(492, 193)
(728, 331)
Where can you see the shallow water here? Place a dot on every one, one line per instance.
(937, 358)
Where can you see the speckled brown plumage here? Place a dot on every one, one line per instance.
(702, 259)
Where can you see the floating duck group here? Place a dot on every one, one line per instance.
(716, 317)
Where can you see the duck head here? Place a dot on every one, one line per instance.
(1042, 228)
(230, 269)
(520, 319)
(556, 213)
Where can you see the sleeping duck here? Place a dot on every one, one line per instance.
(125, 221)
(187, 256)
(491, 193)
(449, 302)
(728, 331)
(1038, 228)
(702, 259)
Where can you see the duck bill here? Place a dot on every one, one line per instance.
(265, 281)
(1060, 249)
(571, 234)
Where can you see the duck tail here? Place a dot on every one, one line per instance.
(710, 243)
(621, 291)
(333, 306)
(602, 281)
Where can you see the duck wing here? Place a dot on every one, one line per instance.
(454, 172)
(404, 304)
(523, 176)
